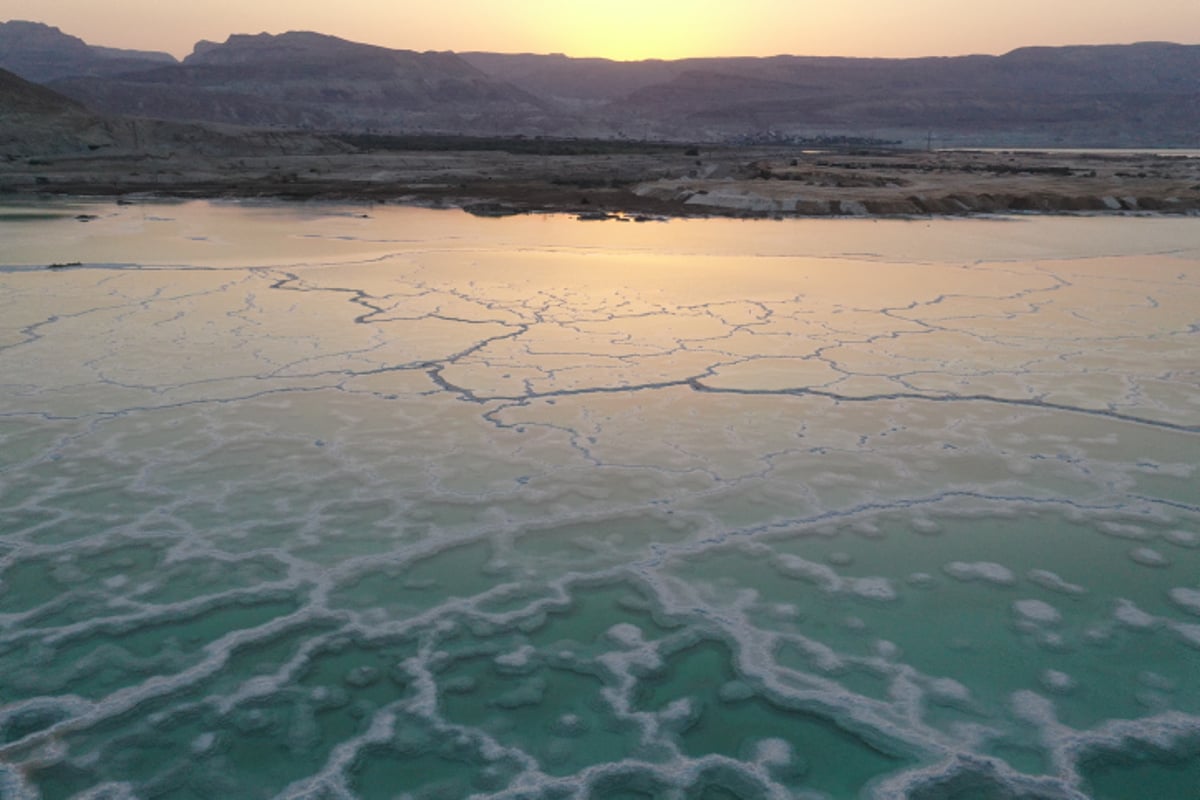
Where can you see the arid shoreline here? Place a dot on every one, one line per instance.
(654, 180)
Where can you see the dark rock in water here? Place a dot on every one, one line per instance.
(491, 210)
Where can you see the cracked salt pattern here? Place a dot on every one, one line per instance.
(316, 503)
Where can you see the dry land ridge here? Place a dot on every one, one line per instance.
(624, 179)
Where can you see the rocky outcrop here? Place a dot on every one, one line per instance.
(1121, 95)
(36, 122)
(42, 53)
(314, 82)
(1142, 95)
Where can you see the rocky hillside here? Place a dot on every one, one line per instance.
(19, 96)
(36, 122)
(42, 53)
(1144, 94)
(315, 82)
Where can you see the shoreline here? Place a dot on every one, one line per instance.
(657, 182)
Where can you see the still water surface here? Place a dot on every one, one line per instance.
(325, 502)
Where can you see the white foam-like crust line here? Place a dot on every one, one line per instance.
(14, 785)
(125, 699)
(1187, 599)
(425, 703)
(25, 549)
(902, 785)
(678, 771)
(1055, 583)
(1068, 747)
(877, 722)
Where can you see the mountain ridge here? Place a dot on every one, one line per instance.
(1141, 94)
(311, 81)
(40, 53)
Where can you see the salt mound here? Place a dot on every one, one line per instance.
(985, 571)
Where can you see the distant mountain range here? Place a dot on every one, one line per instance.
(37, 121)
(1121, 95)
(41, 54)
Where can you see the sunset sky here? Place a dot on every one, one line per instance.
(633, 29)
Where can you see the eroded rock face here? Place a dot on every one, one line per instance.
(1111, 96)
(43, 53)
(35, 120)
(316, 82)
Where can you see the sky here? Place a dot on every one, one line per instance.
(633, 29)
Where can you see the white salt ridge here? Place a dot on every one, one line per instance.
(1053, 582)
(1037, 611)
(878, 589)
(627, 635)
(921, 580)
(871, 588)
(797, 567)
(888, 650)
(925, 525)
(1187, 599)
(1149, 557)
(1057, 682)
(984, 571)
(1127, 613)
(773, 752)
(519, 659)
(1189, 632)
(1124, 530)
(679, 710)
(949, 691)
(203, 743)
(735, 691)
(1188, 539)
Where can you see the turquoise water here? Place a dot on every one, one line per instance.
(333, 502)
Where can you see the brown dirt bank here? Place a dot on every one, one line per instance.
(655, 180)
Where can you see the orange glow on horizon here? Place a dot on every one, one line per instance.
(633, 29)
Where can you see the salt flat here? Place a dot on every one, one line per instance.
(366, 501)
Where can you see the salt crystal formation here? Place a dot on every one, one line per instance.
(302, 502)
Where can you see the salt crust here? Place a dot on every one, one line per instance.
(1187, 599)
(1051, 581)
(984, 571)
(1037, 611)
(753, 647)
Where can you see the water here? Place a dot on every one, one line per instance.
(324, 502)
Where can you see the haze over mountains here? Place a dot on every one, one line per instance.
(1122, 95)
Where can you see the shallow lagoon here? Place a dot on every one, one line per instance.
(380, 502)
